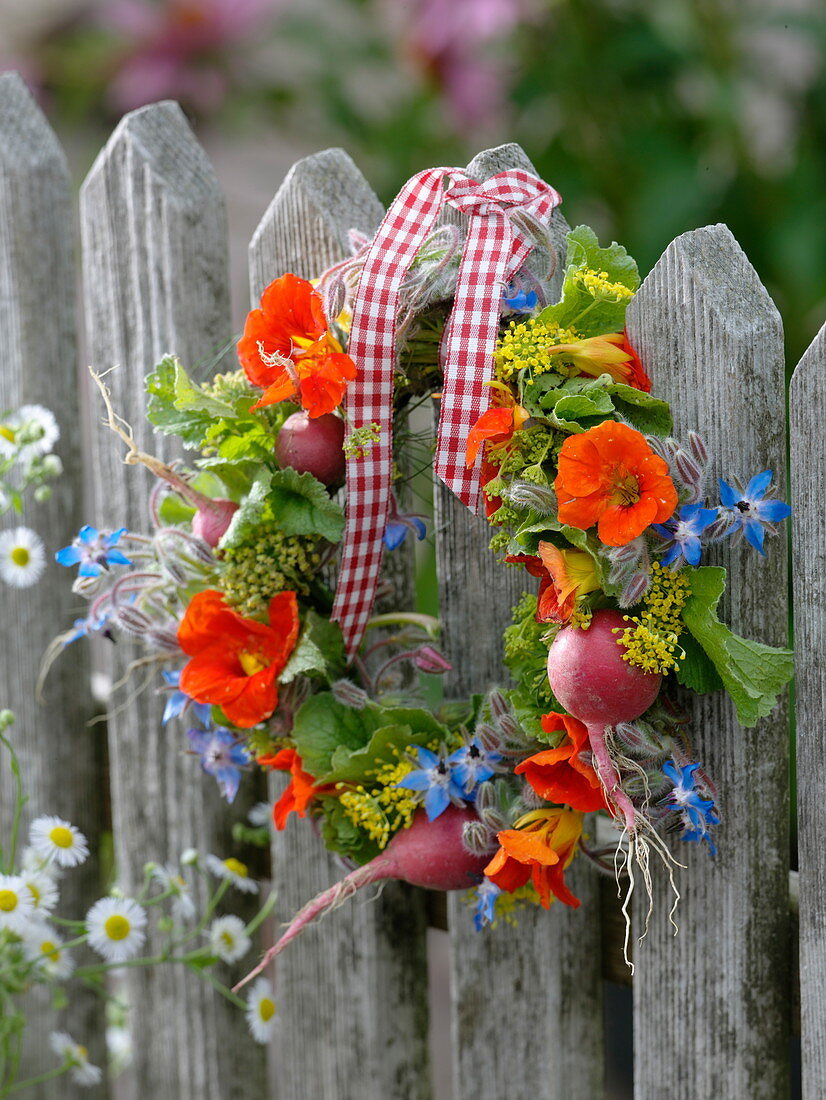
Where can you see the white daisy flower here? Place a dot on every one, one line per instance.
(43, 946)
(57, 841)
(234, 870)
(43, 890)
(32, 863)
(22, 557)
(260, 814)
(261, 1011)
(228, 939)
(170, 879)
(76, 1056)
(116, 928)
(190, 857)
(16, 905)
(31, 428)
(119, 1046)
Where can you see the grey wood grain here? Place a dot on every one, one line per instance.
(155, 280)
(59, 753)
(548, 970)
(352, 993)
(712, 1011)
(807, 407)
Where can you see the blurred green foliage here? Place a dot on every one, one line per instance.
(650, 118)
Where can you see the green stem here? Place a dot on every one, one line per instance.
(224, 990)
(261, 915)
(19, 802)
(39, 1080)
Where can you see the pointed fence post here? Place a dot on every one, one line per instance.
(60, 757)
(549, 971)
(155, 279)
(711, 1004)
(807, 404)
(352, 992)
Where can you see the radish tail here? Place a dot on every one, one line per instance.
(322, 903)
(608, 774)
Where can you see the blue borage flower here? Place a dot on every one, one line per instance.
(518, 300)
(84, 627)
(399, 524)
(696, 813)
(436, 778)
(222, 756)
(94, 550)
(486, 894)
(178, 702)
(683, 533)
(749, 509)
(472, 764)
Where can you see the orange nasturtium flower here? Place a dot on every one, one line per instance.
(235, 662)
(564, 576)
(497, 426)
(560, 774)
(609, 476)
(288, 350)
(299, 792)
(539, 847)
(607, 354)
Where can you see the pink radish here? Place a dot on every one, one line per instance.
(593, 683)
(313, 446)
(211, 520)
(428, 853)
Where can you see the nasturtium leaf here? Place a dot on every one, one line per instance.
(578, 308)
(165, 387)
(322, 725)
(320, 649)
(302, 506)
(578, 412)
(752, 673)
(342, 835)
(254, 511)
(640, 409)
(695, 670)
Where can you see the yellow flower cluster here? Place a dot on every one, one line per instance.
(508, 905)
(652, 642)
(271, 563)
(526, 343)
(381, 808)
(599, 285)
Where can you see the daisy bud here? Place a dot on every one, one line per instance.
(51, 466)
(6, 719)
(189, 857)
(43, 494)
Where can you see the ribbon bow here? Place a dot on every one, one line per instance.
(494, 251)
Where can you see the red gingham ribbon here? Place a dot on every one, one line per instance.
(494, 250)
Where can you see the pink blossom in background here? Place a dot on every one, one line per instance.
(177, 48)
(448, 39)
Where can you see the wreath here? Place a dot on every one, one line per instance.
(256, 590)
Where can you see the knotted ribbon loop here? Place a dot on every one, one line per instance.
(493, 252)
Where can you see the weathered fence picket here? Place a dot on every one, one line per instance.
(717, 1005)
(363, 1000)
(807, 406)
(58, 751)
(711, 1013)
(550, 972)
(155, 279)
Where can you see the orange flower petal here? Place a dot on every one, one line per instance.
(495, 425)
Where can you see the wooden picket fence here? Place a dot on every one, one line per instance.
(713, 1009)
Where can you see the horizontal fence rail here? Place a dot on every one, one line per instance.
(713, 1005)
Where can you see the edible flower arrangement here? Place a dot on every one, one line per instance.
(244, 589)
